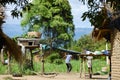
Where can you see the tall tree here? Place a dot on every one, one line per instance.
(53, 17)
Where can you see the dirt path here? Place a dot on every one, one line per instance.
(60, 76)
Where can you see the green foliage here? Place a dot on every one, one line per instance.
(100, 12)
(58, 61)
(15, 68)
(86, 42)
(53, 17)
(54, 58)
(28, 72)
(94, 13)
(15, 12)
(3, 69)
(98, 64)
(37, 66)
(51, 67)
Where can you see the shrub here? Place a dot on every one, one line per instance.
(54, 58)
(58, 61)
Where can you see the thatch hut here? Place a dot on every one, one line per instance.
(111, 32)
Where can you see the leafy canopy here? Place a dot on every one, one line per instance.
(100, 12)
(53, 17)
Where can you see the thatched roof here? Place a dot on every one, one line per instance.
(12, 47)
(115, 24)
(107, 26)
(98, 34)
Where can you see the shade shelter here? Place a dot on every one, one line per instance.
(112, 35)
(83, 62)
(30, 44)
(82, 57)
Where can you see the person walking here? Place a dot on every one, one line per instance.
(67, 61)
(89, 62)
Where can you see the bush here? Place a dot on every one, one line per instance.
(58, 61)
(54, 58)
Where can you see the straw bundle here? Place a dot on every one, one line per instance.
(34, 34)
(12, 47)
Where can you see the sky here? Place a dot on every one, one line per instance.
(77, 8)
(9, 19)
(12, 26)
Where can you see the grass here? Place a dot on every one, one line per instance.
(3, 69)
(51, 67)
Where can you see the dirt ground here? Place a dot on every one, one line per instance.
(59, 76)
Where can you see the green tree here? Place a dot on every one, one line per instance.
(87, 42)
(101, 12)
(53, 17)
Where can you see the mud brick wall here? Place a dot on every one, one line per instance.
(115, 59)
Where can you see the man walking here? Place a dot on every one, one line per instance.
(67, 61)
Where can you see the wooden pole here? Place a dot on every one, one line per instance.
(84, 67)
(107, 58)
(31, 59)
(43, 63)
(81, 66)
(2, 57)
(110, 68)
(9, 67)
(42, 58)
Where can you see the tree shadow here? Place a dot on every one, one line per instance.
(98, 78)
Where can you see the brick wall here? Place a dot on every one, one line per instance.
(115, 59)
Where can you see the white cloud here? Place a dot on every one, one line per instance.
(77, 10)
(8, 18)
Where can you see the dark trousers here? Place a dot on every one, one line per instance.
(69, 67)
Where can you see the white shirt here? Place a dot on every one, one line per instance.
(89, 61)
(68, 58)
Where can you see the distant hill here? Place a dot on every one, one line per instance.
(12, 30)
(16, 30)
(81, 32)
